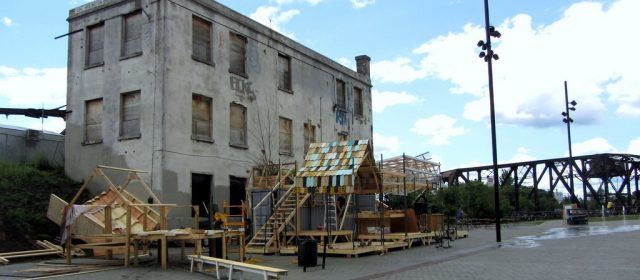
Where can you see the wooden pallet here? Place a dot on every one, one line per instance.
(347, 249)
(424, 238)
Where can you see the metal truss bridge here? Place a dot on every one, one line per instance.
(600, 177)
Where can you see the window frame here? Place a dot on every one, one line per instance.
(123, 114)
(123, 44)
(85, 138)
(358, 105)
(233, 39)
(208, 48)
(89, 38)
(309, 135)
(244, 126)
(194, 125)
(289, 151)
(342, 105)
(287, 79)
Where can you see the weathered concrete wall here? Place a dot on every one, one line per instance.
(15, 147)
(108, 81)
(167, 76)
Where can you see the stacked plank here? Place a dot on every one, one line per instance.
(48, 249)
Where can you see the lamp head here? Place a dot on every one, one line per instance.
(573, 103)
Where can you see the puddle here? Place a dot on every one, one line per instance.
(529, 241)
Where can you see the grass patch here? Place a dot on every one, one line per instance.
(614, 218)
(24, 201)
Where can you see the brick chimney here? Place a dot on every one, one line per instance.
(362, 64)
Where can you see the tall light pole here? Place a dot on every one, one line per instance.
(489, 56)
(568, 120)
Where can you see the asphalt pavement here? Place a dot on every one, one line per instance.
(551, 250)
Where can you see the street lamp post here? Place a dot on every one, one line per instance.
(489, 56)
(568, 120)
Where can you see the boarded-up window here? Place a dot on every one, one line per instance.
(285, 136)
(357, 101)
(201, 39)
(93, 121)
(237, 54)
(95, 45)
(238, 125)
(341, 96)
(132, 34)
(284, 72)
(130, 115)
(201, 118)
(309, 136)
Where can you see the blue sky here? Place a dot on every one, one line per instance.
(429, 86)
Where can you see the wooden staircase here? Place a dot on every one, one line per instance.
(268, 238)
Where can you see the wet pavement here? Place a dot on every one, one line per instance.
(600, 250)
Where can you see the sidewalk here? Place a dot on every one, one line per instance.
(547, 251)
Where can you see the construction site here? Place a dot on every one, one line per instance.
(328, 206)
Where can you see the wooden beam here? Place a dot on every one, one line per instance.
(122, 169)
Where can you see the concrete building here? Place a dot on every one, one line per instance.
(198, 95)
(27, 146)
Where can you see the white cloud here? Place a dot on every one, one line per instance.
(634, 146)
(399, 70)
(359, 4)
(386, 145)
(384, 99)
(592, 146)
(438, 128)
(35, 87)
(274, 18)
(522, 155)
(7, 21)
(310, 2)
(589, 46)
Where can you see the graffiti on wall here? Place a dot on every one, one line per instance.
(242, 87)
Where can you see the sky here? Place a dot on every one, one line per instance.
(430, 90)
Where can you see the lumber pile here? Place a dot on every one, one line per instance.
(48, 249)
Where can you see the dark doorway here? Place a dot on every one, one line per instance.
(236, 193)
(200, 192)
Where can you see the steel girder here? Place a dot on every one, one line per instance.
(610, 172)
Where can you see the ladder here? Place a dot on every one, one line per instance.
(235, 220)
(331, 213)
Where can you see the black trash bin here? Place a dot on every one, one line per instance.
(215, 247)
(308, 253)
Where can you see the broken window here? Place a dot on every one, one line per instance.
(95, 45)
(93, 121)
(130, 115)
(237, 54)
(132, 34)
(309, 136)
(284, 72)
(201, 39)
(341, 97)
(357, 101)
(201, 118)
(285, 136)
(238, 125)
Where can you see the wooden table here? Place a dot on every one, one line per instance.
(163, 236)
